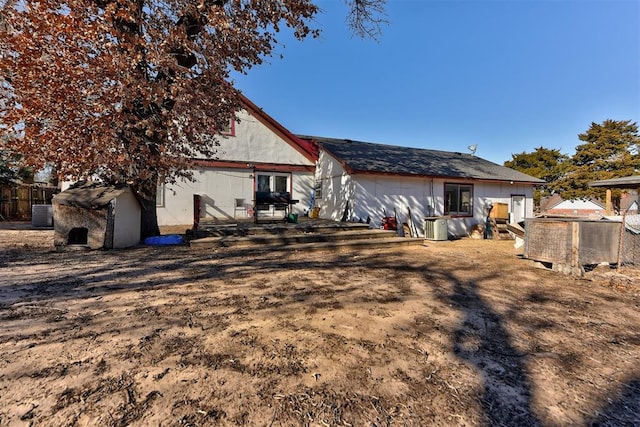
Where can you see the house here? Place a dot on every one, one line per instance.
(629, 202)
(363, 181)
(625, 183)
(555, 205)
(256, 154)
(96, 216)
(343, 179)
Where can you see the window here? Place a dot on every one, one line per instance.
(458, 199)
(160, 194)
(263, 183)
(272, 183)
(230, 129)
(318, 192)
(281, 184)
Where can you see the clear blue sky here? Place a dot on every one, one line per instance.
(508, 75)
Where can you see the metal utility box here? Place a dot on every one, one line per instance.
(42, 216)
(436, 228)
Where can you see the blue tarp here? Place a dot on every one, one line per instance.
(170, 239)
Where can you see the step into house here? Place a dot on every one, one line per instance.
(306, 235)
(500, 229)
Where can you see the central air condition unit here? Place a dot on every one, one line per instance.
(436, 228)
(42, 216)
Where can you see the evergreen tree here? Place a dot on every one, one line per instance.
(543, 163)
(609, 150)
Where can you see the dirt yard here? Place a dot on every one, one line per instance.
(454, 333)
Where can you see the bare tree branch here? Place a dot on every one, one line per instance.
(367, 17)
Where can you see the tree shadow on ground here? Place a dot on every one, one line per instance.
(480, 340)
(623, 410)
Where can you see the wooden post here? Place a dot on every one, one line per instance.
(575, 244)
(623, 227)
(608, 210)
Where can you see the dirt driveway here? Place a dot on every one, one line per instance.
(455, 333)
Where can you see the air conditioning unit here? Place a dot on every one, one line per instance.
(436, 228)
(42, 216)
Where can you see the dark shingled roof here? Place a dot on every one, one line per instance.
(367, 157)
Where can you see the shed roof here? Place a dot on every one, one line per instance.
(626, 182)
(90, 195)
(367, 157)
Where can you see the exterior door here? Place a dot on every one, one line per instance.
(518, 211)
(272, 182)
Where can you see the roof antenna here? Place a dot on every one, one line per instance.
(473, 149)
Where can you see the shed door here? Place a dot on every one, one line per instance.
(518, 211)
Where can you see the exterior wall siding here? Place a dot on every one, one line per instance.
(371, 196)
(69, 217)
(336, 185)
(228, 193)
(254, 142)
(126, 231)
(219, 190)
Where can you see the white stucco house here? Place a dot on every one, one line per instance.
(361, 180)
(255, 154)
(342, 179)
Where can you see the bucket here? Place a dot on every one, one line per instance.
(292, 218)
(389, 223)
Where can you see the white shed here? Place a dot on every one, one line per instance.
(96, 216)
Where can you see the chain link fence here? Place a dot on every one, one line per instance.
(630, 241)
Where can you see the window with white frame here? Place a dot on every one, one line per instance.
(160, 194)
(458, 199)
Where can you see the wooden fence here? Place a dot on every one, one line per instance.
(16, 201)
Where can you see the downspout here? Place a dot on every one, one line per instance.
(431, 209)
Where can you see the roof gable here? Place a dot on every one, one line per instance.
(629, 201)
(556, 201)
(307, 148)
(550, 202)
(582, 204)
(367, 157)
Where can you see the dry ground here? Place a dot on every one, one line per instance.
(455, 333)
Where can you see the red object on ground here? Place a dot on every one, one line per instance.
(389, 223)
